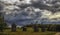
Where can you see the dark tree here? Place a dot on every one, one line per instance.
(13, 27)
(24, 28)
(35, 27)
(58, 28)
(3, 24)
(51, 27)
(42, 27)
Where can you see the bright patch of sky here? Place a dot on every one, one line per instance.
(9, 1)
(27, 1)
(46, 14)
(56, 15)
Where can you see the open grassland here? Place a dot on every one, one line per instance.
(28, 32)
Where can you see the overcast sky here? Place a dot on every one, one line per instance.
(30, 9)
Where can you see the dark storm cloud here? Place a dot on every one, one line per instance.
(23, 6)
(1, 7)
(54, 8)
(40, 5)
(36, 5)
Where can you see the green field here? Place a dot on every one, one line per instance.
(28, 32)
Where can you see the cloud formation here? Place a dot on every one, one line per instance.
(20, 10)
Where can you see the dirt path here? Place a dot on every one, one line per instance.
(57, 33)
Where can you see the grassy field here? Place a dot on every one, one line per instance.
(28, 32)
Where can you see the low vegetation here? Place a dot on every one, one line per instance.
(28, 32)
